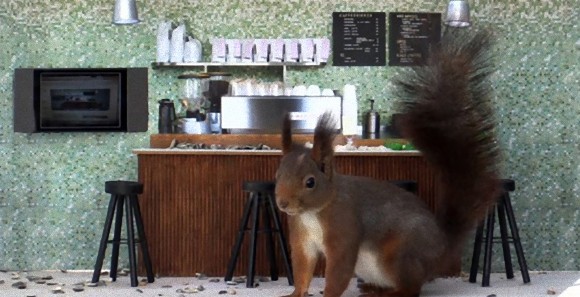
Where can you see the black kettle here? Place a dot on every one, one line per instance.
(167, 117)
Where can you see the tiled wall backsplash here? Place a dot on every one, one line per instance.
(52, 200)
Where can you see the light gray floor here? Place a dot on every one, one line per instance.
(564, 284)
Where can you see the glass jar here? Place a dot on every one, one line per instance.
(194, 90)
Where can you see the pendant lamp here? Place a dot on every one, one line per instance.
(125, 12)
(457, 14)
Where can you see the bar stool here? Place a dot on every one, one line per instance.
(123, 193)
(504, 209)
(260, 199)
(409, 185)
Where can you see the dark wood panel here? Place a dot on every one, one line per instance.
(192, 204)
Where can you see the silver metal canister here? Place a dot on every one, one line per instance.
(215, 122)
(371, 123)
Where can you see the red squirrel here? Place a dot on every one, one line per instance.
(373, 229)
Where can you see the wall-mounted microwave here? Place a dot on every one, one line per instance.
(80, 99)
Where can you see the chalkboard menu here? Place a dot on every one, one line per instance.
(359, 38)
(411, 35)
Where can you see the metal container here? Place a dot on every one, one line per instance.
(167, 117)
(371, 123)
(457, 13)
(264, 114)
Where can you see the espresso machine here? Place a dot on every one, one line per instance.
(264, 114)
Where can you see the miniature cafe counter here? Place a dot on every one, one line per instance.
(193, 201)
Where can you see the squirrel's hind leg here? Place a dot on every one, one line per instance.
(405, 272)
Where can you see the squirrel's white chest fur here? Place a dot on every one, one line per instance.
(367, 266)
(314, 234)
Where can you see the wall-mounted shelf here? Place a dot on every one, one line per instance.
(206, 65)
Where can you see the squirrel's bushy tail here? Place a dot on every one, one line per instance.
(447, 114)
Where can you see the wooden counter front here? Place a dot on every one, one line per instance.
(192, 201)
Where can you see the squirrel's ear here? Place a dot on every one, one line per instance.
(286, 134)
(323, 149)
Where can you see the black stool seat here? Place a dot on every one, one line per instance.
(504, 210)
(409, 185)
(123, 195)
(125, 188)
(508, 185)
(259, 186)
(260, 199)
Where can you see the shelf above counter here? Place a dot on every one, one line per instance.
(237, 64)
(207, 65)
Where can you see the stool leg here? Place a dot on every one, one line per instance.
(476, 253)
(488, 249)
(516, 237)
(239, 239)
(131, 244)
(117, 237)
(253, 241)
(282, 239)
(142, 238)
(270, 239)
(507, 257)
(104, 239)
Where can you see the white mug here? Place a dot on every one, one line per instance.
(299, 90)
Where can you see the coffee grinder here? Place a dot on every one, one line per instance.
(219, 85)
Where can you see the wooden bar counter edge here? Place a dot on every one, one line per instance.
(159, 143)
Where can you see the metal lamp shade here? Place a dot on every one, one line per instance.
(457, 14)
(125, 12)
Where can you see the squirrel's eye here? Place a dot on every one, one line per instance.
(310, 183)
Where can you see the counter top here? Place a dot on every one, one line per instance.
(224, 152)
(164, 144)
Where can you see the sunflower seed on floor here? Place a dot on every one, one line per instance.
(19, 285)
(78, 288)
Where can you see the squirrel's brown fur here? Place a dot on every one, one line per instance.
(386, 236)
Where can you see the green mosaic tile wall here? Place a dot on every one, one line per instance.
(52, 203)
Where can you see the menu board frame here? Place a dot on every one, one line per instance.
(411, 36)
(359, 39)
